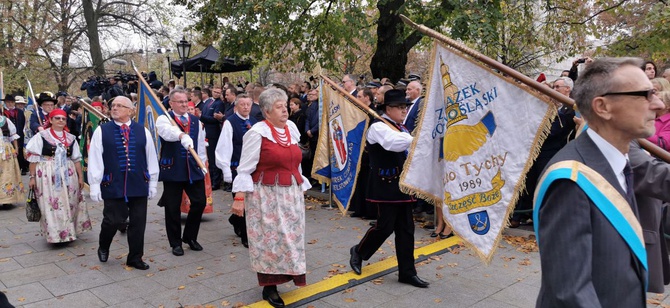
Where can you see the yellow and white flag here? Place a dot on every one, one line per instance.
(477, 136)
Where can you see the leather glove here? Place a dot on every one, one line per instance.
(95, 194)
(186, 142)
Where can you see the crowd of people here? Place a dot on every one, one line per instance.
(258, 142)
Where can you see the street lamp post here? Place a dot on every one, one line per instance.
(184, 49)
(165, 51)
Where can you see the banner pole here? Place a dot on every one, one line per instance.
(357, 103)
(644, 143)
(190, 149)
(92, 110)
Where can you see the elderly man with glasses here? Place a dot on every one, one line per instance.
(587, 223)
(123, 172)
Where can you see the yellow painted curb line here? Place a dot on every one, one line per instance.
(349, 279)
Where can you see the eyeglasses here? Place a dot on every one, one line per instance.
(58, 119)
(179, 102)
(648, 94)
(121, 106)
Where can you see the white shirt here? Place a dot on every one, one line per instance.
(12, 129)
(96, 167)
(614, 157)
(34, 147)
(390, 139)
(224, 149)
(171, 133)
(251, 154)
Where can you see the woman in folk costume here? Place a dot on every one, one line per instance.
(11, 186)
(55, 174)
(269, 185)
(185, 201)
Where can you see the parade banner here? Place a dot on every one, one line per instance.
(340, 146)
(148, 110)
(89, 122)
(478, 134)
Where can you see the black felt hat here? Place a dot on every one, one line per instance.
(46, 97)
(395, 97)
(10, 98)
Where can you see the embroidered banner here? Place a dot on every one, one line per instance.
(89, 122)
(148, 109)
(477, 136)
(341, 144)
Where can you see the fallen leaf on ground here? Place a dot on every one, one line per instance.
(438, 276)
(238, 305)
(199, 268)
(4, 259)
(439, 267)
(378, 281)
(338, 265)
(350, 290)
(95, 267)
(128, 268)
(522, 243)
(119, 257)
(438, 300)
(525, 262)
(653, 301)
(314, 241)
(150, 274)
(21, 299)
(349, 300)
(225, 303)
(160, 269)
(61, 254)
(507, 259)
(452, 265)
(181, 287)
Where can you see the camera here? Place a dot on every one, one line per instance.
(582, 60)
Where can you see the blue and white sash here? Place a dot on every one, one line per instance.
(607, 199)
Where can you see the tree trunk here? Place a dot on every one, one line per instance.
(390, 56)
(93, 37)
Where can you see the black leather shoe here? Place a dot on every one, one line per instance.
(193, 244)
(415, 281)
(140, 265)
(355, 261)
(177, 251)
(236, 228)
(103, 255)
(272, 296)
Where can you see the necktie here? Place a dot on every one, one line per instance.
(628, 173)
(402, 128)
(246, 125)
(125, 130)
(183, 119)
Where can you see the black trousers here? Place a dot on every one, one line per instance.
(392, 217)
(23, 163)
(237, 221)
(114, 214)
(171, 200)
(215, 174)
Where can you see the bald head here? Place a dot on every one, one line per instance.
(413, 91)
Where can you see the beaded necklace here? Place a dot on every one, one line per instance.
(62, 139)
(283, 139)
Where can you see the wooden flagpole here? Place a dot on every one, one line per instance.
(38, 110)
(644, 143)
(92, 110)
(356, 102)
(165, 112)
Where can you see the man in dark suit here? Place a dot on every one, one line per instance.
(46, 103)
(652, 187)
(588, 258)
(19, 119)
(212, 117)
(413, 92)
(349, 84)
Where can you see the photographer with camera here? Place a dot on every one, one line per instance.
(91, 87)
(573, 73)
(115, 88)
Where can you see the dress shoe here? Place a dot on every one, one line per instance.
(355, 261)
(446, 236)
(140, 265)
(373, 223)
(513, 223)
(415, 281)
(103, 255)
(177, 251)
(236, 228)
(193, 244)
(271, 295)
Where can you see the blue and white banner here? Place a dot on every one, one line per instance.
(341, 144)
(477, 137)
(148, 109)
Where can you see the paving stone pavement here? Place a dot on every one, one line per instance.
(34, 273)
